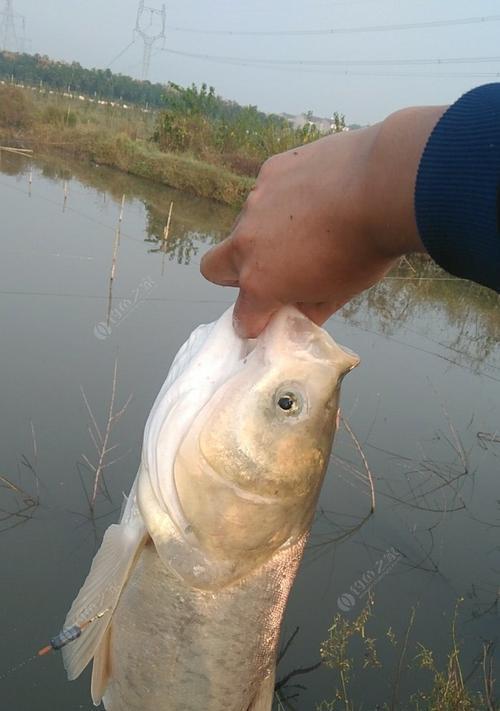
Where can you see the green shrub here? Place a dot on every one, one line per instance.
(196, 122)
(58, 116)
(242, 164)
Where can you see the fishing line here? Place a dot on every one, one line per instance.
(15, 668)
(56, 643)
(65, 295)
(69, 209)
(388, 337)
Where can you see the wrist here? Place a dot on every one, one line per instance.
(396, 146)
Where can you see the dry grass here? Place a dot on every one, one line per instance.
(101, 439)
(118, 139)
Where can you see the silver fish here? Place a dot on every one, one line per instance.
(192, 584)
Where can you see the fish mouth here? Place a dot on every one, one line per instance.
(289, 330)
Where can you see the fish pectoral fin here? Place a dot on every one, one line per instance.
(109, 572)
(263, 700)
(101, 668)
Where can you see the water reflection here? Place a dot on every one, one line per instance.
(189, 212)
(20, 496)
(421, 291)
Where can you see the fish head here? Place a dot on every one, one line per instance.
(269, 429)
(249, 471)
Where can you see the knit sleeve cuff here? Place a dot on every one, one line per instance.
(457, 193)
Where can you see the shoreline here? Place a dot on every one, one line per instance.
(135, 157)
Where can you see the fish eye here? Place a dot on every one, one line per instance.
(289, 402)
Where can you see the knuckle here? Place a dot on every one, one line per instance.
(252, 198)
(267, 168)
(242, 242)
(248, 283)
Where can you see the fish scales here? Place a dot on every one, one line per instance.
(207, 645)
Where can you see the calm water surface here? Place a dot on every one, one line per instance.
(424, 408)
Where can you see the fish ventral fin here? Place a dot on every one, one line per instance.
(263, 700)
(110, 570)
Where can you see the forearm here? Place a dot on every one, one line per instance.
(457, 196)
(389, 180)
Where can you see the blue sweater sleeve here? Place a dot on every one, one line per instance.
(457, 193)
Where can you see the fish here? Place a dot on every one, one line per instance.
(189, 589)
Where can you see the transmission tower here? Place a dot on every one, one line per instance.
(148, 32)
(12, 28)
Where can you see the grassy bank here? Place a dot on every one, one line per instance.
(110, 136)
(142, 159)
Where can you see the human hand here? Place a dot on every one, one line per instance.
(324, 222)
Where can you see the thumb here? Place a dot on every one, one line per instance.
(251, 315)
(218, 264)
(320, 312)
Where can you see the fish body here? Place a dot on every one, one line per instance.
(195, 577)
(211, 651)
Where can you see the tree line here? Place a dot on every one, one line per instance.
(36, 69)
(40, 70)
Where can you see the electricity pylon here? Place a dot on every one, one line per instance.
(9, 37)
(145, 31)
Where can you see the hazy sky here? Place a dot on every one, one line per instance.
(93, 32)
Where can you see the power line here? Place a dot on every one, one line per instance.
(120, 54)
(329, 72)
(253, 10)
(256, 61)
(411, 75)
(347, 72)
(350, 73)
(345, 30)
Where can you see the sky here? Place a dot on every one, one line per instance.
(94, 33)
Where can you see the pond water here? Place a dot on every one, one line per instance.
(422, 414)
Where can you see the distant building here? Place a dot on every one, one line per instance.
(325, 125)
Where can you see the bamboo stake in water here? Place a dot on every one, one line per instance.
(116, 245)
(65, 195)
(117, 239)
(120, 218)
(166, 231)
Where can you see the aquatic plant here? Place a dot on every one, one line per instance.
(450, 688)
(335, 655)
